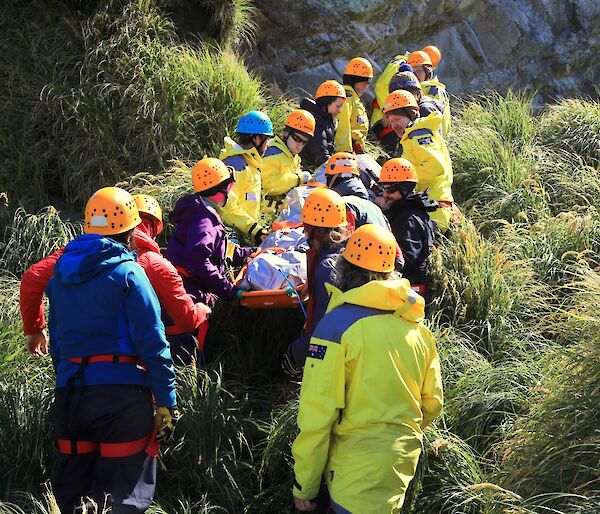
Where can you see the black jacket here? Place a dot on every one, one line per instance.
(413, 229)
(322, 145)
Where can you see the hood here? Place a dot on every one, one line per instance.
(277, 142)
(142, 240)
(388, 295)
(433, 82)
(250, 155)
(432, 122)
(188, 206)
(420, 199)
(351, 92)
(311, 106)
(350, 186)
(89, 255)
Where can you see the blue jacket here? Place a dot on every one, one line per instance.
(101, 302)
(365, 212)
(346, 186)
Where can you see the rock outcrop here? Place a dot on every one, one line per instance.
(550, 46)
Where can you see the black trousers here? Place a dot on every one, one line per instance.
(104, 414)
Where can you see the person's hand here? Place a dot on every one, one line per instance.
(165, 421)
(305, 505)
(37, 344)
(306, 177)
(205, 309)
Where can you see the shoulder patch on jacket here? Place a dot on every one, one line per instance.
(272, 150)
(237, 162)
(419, 133)
(333, 325)
(316, 351)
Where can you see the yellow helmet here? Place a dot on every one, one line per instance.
(302, 121)
(434, 54)
(419, 58)
(359, 67)
(398, 170)
(342, 162)
(209, 172)
(330, 88)
(324, 208)
(146, 204)
(110, 211)
(371, 247)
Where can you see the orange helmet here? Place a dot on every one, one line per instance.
(209, 172)
(342, 162)
(324, 208)
(330, 88)
(146, 204)
(434, 54)
(400, 99)
(371, 247)
(302, 121)
(359, 67)
(419, 58)
(398, 170)
(110, 211)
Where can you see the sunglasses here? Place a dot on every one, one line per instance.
(298, 139)
(391, 189)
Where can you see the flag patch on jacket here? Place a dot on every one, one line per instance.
(317, 351)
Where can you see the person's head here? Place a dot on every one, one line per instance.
(324, 218)
(299, 129)
(150, 212)
(370, 254)
(341, 166)
(421, 65)
(358, 74)
(255, 129)
(213, 180)
(401, 109)
(112, 212)
(398, 179)
(434, 53)
(406, 81)
(330, 96)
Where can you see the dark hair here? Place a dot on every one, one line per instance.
(409, 113)
(348, 276)
(245, 139)
(350, 80)
(123, 237)
(324, 101)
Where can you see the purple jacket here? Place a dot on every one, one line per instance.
(199, 246)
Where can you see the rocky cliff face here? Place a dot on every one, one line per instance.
(551, 46)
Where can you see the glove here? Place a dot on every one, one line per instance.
(165, 420)
(239, 293)
(306, 176)
(290, 291)
(260, 236)
(358, 148)
(405, 67)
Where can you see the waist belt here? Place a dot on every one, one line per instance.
(117, 359)
(111, 450)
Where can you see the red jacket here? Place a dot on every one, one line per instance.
(185, 316)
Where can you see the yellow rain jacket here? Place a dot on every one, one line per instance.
(371, 385)
(353, 123)
(382, 86)
(435, 89)
(423, 145)
(242, 210)
(280, 169)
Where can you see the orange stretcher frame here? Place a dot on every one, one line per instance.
(272, 298)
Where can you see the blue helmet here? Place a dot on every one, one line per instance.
(255, 122)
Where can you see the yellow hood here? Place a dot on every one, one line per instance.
(432, 82)
(250, 155)
(388, 295)
(277, 142)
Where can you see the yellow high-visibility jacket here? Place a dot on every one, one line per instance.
(242, 210)
(353, 123)
(280, 170)
(371, 384)
(435, 89)
(382, 86)
(423, 145)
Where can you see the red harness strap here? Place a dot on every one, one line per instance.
(384, 132)
(149, 444)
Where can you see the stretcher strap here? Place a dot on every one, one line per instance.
(117, 359)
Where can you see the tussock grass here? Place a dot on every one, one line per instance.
(573, 125)
(31, 237)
